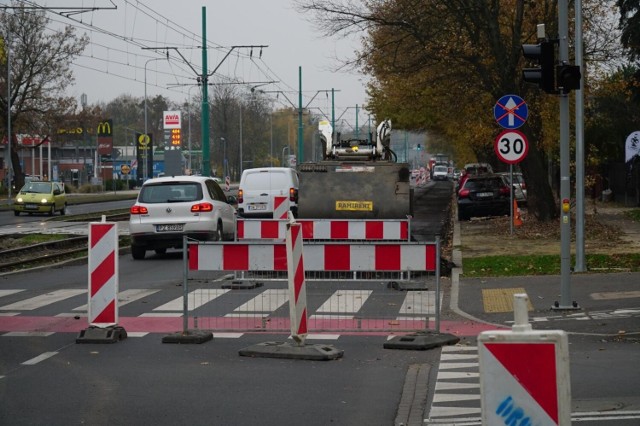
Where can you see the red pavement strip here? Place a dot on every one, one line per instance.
(171, 324)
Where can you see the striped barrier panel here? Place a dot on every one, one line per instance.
(327, 229)
(330, 256)
(296, 283)
(280, 207)
(103, 274)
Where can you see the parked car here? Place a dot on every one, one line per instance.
(474, 169)
(260, 185)
(519, 187)
(40, 197)
(169, 207)
(483, 195)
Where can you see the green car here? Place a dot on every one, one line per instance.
(40, 197)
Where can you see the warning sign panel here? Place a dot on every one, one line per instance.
(361, 206)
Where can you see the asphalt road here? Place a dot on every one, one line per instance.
(46, 378)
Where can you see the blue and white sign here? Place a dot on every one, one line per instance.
(511, 111)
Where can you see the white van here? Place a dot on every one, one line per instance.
(259, 186)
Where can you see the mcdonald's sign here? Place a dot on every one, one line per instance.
(105, 137)
(105, 128)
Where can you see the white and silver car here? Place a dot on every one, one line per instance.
(169, 207)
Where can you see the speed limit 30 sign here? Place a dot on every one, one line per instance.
(511, 146)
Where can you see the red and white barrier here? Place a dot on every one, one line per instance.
(326, 229)
(297, 284)
(103, 274)
(280, 207)
(270, 256)
(524, 374)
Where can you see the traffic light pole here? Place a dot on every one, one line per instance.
(565, 189)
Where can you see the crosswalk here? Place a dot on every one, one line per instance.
(262, 303)
(457, 393)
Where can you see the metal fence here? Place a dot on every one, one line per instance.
(225, 293)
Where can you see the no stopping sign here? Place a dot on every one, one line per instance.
(511, 146)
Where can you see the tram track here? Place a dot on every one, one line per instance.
(20, 252)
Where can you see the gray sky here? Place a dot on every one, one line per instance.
(114, 63)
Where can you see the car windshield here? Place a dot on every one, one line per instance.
(483, 184)
(266, 181)
(171, 192)
(37, 187)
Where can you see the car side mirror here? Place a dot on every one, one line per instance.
(56, 192)
(231, 199)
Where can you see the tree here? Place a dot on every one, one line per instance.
(441, 66)
(39, 64)
(630, 25)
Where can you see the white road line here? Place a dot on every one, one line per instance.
(345, 301)
(39, 358)
(28, 334)
(43, 300)
(125, 297)
(455, 397)
(419, 303)
(454, 365)
(4, 293)
(443, 386)
(444, 375)
(265, 302)
(195, 299)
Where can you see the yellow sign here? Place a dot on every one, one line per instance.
(104, 128)
(125, 169)
(362, 206)
(144, 140)
(175, 137)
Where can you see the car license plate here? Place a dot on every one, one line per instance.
(31, 206)
(257, 207)
(484, 194)
(172, 227)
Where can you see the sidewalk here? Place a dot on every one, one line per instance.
(609, 303)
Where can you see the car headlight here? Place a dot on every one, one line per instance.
(19, 199)
(44, 201)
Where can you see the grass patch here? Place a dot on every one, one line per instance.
(506, 266)
(29, 239)
(633, 214)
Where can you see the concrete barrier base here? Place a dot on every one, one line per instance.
(95, 334)
(292, 350)
(421, 341)
(188, 337)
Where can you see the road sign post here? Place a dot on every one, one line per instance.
(524, 374)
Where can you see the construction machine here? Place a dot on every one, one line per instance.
(356, 179)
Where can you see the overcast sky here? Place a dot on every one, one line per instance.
(115, 62)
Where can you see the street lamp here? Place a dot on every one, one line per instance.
(224, 158)
(145, 173)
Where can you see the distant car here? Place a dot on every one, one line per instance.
(40, 197)
(456, 174)
(169, 207)
(473, 169)
(440, 172)
(483, 195)
(520, 188)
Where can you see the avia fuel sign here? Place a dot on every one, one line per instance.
(171, 119)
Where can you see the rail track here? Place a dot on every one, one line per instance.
(39, 254)
(20, 253)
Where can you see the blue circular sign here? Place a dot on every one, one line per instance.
(511, 111)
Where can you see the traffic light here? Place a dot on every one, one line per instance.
(544, 75)
(568, 77)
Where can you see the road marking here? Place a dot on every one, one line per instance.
(28, 334)
(501, 299)
(125, 297)
(614, 295)
(7, 292)
(265, 302)
(43, 300)
(417, 303)
(345, 301)
(195, 299)
(40, 358)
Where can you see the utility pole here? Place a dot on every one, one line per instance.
(300, 131)
(206, 166)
